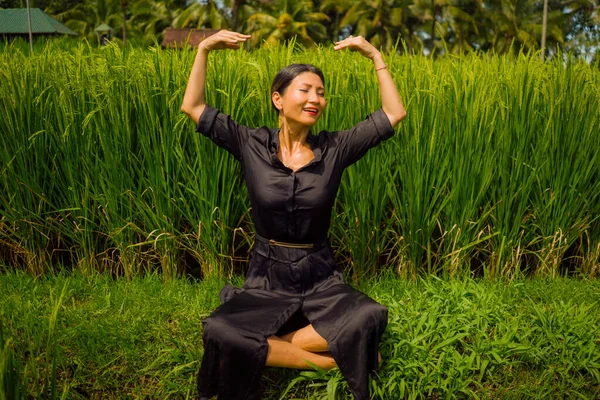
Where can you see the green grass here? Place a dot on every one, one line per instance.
(92, 336)
(493, 173)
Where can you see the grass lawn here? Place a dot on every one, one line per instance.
(78, 337)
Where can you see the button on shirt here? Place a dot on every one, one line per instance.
(293, 206)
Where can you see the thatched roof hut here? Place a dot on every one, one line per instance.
(178, 38)
(14, 22)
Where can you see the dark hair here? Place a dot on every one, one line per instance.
(286, 76)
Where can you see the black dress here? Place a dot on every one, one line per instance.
(286, 288)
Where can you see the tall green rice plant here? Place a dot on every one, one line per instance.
(361, 218)
(469, 109)
(420, 175)
(494, 171)
(566, 192)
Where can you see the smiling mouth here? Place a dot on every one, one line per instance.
(311, 111)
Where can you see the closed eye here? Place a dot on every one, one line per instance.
(318, 94)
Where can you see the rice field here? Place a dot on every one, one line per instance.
(494, 173)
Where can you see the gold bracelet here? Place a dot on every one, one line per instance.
(379, 69)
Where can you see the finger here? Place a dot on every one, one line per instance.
(229, 40)
(235, 33)
(235, 37)
(225, 34)
(232, 33)
(346, 42)
(235, 42)
(342, 45)
(229, 35)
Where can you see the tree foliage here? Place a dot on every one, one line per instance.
(422, 26)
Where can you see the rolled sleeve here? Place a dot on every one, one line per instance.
(223, 131)
(206, 120)
(382, 124)
(354, 143)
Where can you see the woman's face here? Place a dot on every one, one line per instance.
(303, 100)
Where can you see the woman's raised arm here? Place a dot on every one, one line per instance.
(194, 99)
(390, 99)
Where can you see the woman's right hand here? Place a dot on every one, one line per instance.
(223, 40)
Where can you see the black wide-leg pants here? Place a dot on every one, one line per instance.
(287, 288)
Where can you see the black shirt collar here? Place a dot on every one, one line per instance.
(311, 139)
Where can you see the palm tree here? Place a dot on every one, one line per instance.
(379, 21)
(462, 20)
(335, 10)
(544, 28)
(84, 18)
(124, 13)
(521, 21)
(572, 18)
(409, 27)
(236, 6)
(238, 11)
(201, 15)
(513, 21)
(150, 18)
(291, 19)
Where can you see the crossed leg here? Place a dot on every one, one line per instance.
(291, 350)
(307, 339)
(294, 349)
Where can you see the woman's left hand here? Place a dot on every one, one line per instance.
(359, 44)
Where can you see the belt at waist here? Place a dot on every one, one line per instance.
(272, 242)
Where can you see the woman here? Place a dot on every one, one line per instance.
(294, 309)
